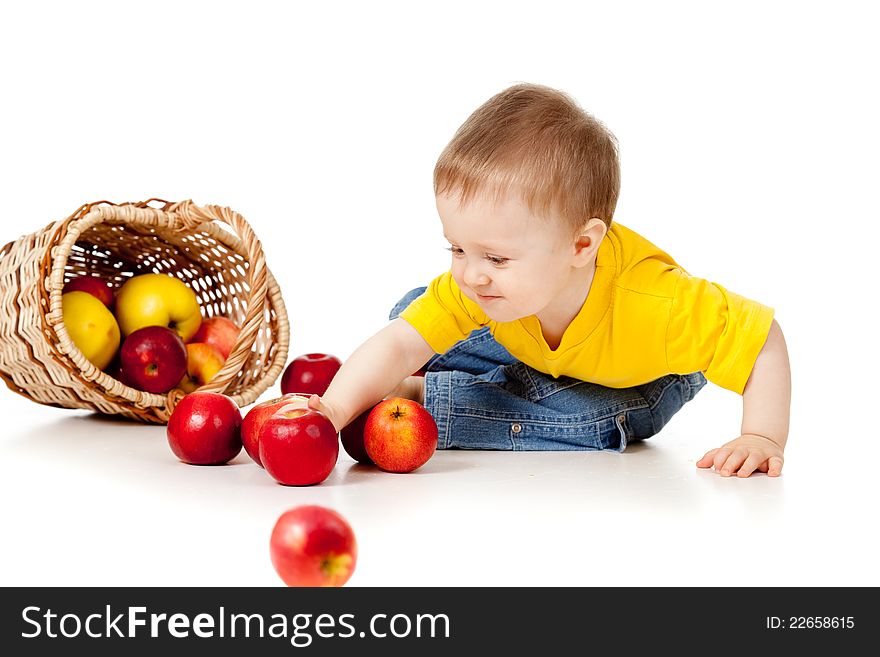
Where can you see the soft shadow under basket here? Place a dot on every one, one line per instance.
(226, 270)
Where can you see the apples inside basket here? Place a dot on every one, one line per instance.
(211, 249)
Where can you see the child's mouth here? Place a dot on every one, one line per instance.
(486, 299)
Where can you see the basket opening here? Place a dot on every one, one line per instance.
(213, 270)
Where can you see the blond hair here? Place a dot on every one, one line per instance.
(536, 142)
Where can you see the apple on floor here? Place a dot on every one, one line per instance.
(313, 546)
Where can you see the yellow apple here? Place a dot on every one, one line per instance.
(203, 361)
(91, 326)
(158, 300)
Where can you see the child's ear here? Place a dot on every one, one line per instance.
(587, 243)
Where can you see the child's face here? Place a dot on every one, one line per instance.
(509, 262)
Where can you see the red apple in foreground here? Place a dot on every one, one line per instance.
(153, 359)
(313, 546)
(400, 435)
(310, 374)
(255, 419)
(220, 332)
(93, 285)
(205, 429)
(353, 438)
(298, 446)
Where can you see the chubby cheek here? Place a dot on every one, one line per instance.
(527, 295)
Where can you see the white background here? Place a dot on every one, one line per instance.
(749, 146)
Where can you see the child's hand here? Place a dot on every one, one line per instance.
(316, 403)
(743, 456)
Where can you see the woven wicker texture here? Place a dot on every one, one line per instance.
(212, 249)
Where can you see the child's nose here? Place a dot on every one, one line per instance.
(474, 276)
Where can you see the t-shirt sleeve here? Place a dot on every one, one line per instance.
(443, 315)
(715, 331)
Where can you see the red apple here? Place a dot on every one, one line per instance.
(298, 446)
(93, 285)
(313, 546)
(255, 419)
(400, 435)
(203, 361)
(205, 429)
(353, 439)
(220, 332)
(153, 359)
(310, 374)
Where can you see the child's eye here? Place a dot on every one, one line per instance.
(495, 260)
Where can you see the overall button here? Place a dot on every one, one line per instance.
(621, 417)
(516, 428)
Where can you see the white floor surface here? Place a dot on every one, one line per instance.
(89, 500)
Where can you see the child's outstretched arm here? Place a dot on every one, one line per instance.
(372, 371)
(766, 406)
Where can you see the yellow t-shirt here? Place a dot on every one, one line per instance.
(644, 317)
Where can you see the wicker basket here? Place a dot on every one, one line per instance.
(228, 273)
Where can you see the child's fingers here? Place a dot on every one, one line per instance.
(721, 456)
(316, 403)
(741, 461)
(732, 463)
(775, 466)
(752, 463)
(706, 461)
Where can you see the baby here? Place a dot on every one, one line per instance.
(556, 328)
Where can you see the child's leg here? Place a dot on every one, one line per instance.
(515, 407)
